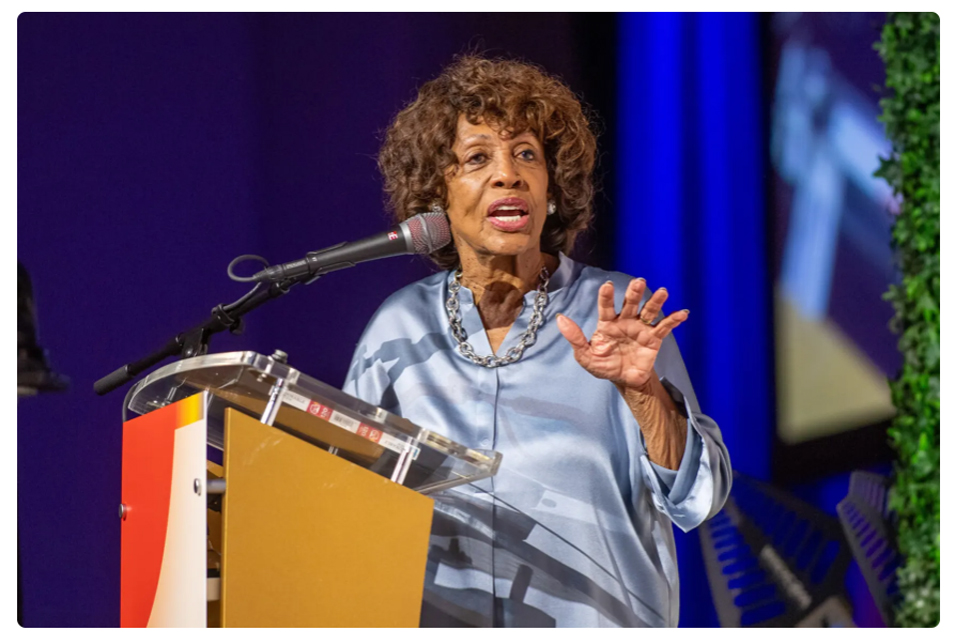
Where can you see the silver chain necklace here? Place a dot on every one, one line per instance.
(528, 338)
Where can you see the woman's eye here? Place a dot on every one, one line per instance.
(477, 158)
(528, 154)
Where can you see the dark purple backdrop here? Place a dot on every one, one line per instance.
(154, 148)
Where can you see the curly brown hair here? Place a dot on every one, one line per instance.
(511, 96)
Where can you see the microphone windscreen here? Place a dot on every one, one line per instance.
(429, 231)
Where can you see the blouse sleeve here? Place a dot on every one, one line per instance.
(698, 489)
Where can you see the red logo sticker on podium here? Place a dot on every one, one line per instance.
(369, 433)
(320, 410)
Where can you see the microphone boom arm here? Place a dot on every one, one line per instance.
(195, 341)
(422, 234)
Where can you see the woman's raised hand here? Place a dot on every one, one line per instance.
(625, 346)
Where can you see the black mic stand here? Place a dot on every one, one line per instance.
(195, 341)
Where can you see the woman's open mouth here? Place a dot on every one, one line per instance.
(508, 214)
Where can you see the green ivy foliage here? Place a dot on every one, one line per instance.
(910, 48)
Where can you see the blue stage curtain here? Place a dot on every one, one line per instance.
(690, 216)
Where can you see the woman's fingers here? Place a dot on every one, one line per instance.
(663, 328)
(652, 308)
(572, 332)
(605, 303)
(631, 300)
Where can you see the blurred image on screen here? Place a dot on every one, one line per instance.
(831, 221)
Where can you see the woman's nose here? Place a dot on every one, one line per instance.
(506, 173)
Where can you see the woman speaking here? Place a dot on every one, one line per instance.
(602, 439)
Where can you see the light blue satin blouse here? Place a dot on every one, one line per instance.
(575, 528)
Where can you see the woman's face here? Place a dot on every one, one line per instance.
(497, 192)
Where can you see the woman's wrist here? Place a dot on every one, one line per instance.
(641, 393)
(661, 422)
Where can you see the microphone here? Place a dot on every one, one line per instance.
(423, 233)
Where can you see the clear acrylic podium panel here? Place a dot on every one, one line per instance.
(348, 427)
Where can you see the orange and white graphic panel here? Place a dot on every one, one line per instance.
(163, 534)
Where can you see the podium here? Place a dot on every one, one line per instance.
(256, 496)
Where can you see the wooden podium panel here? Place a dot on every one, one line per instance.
(311, 540)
